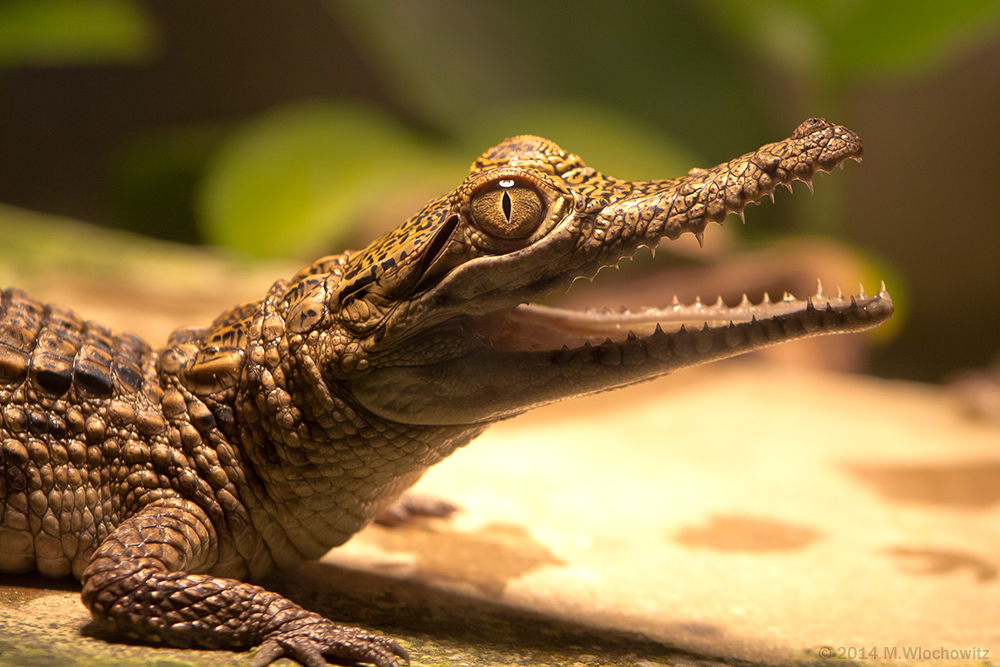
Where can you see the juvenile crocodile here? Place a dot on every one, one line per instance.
(165, 479)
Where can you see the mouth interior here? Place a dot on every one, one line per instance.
(535, 327)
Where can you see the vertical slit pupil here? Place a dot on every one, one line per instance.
(507, 205)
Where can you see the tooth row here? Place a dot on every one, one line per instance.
(693, 345)
(766, 307)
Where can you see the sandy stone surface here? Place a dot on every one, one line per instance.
(744, 511)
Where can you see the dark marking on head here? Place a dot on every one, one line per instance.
(356, 288)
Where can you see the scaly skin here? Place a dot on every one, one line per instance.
(165, 479)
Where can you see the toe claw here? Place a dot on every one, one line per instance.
(268, 652)
(319, 639)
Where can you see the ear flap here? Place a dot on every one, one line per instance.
(435, 248)
(438, 243)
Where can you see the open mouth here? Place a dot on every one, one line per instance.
(537, 328)
(500, 364)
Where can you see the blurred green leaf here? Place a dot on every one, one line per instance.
(61, 32)
(304, 176)
(454, 62)
(153, 177)
(845, 39)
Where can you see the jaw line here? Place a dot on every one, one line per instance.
(504, 363)
(534, 327)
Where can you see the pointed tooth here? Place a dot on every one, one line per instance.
(701, 239)
(809, 303)
(719, 305)
(766, 299)
(658, 329)
(809, 184)
(705, 328)
(771, 195)
(652, 251)
(743, 218)
(861, 291)
(697, 302)
(631, 335)
(819, 289)
(840, 293)
(676, 302)
(745, 301)
(788, 297)
(789, 186)
(882, 288)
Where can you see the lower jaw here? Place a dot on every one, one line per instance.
(536, 328)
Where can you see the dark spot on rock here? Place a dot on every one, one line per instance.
(746, 533)
(932, 561)
(486, 559)
(972, 484)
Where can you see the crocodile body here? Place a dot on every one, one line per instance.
(166, 479)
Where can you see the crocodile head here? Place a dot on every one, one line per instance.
(439, 314)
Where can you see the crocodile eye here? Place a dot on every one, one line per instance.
(508, 211)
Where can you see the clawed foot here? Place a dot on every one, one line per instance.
(315, 641)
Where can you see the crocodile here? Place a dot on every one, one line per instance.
(168, 480)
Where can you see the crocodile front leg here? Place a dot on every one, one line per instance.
(113, 470)
(138, 585)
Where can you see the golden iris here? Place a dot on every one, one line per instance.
(508, 211)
